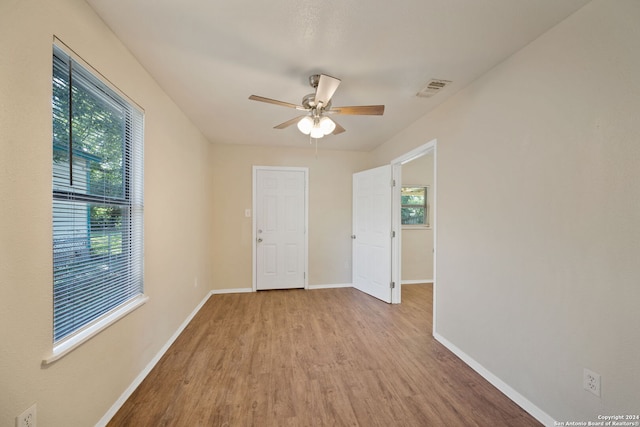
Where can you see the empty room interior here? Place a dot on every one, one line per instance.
(463, 207)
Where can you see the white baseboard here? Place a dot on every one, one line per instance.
(142, 375)
(231, 291)
(416, 282)
(330, 286)
(244, 290)
(506, 389)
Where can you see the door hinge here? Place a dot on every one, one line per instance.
(393, 182)
(304, 275)
(393, 285)
(393, 234)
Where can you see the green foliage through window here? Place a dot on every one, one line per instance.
(414, 206)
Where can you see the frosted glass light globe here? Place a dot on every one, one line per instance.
(305, 125)
(316, 132)
(327, 125)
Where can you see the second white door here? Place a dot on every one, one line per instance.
(372, 232)
(280, 212)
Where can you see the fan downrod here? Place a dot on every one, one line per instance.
(309, 100)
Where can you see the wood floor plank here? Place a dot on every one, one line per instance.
(330, 357)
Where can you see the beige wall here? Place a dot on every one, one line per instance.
(537, 216)
(79, 389)
(417, 243)
(330, 177)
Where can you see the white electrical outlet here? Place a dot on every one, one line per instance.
(27, 418)
(591, 382)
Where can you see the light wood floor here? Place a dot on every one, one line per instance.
(331, 357)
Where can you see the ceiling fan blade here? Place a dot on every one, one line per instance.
(327, 86)
(288, 123)
(274, 101)
(362, 110)
(339, 129)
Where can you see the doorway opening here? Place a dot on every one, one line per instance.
(419, 153)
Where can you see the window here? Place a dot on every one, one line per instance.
(414, 209)
(97, 199)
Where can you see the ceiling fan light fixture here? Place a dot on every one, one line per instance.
(316, 105)
(305, 125)
(327, 125)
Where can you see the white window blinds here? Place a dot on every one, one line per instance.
(97, 198)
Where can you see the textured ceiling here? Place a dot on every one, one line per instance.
(209, 56)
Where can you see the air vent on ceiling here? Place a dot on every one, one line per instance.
(432, 87)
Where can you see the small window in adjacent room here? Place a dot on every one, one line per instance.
(97, 202)
(415, 209)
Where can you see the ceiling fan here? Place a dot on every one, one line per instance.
(315, 122)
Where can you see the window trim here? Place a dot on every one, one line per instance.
(73, 341)
(427, 224)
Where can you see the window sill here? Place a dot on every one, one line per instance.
(69, 344)
(416, 227)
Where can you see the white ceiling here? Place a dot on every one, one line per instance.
(210, 55)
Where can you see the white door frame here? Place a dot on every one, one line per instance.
(306, 219)
(396, 246)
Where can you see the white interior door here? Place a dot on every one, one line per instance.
(280, 221)
(372, 232)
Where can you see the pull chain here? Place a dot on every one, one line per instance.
(316, 141)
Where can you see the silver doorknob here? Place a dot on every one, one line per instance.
(259, 239)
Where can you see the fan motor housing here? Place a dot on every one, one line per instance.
(309, 102)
